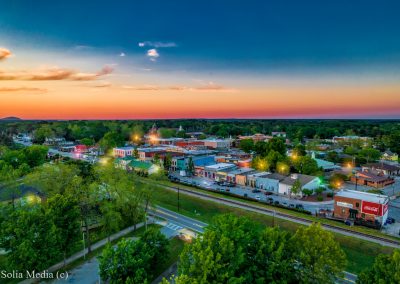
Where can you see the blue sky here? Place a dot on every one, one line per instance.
(251, 44)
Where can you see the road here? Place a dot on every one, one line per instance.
(277, 214)
(88, 273)
(242, 190)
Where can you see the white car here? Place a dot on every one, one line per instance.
(258, 197)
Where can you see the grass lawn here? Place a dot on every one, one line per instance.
(360, 229)
(360, 253)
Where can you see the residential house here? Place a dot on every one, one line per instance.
(390, 156)
(306, 181)
(386, 169)
(372, 178)
(123, 151)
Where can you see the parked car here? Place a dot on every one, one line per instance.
(284, 204)
(228, 190)
(299, 206)
(390, 220)
(230, 185)
(270, 200)
(258, 197)
(291, 205)
(256, 191)
(268, 193)
(276, 202)
(245, 195)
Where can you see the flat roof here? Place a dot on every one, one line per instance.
(124, 148)
(365, 196)
(220, 166)
(241, 171)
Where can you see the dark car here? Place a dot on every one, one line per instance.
(291, 205)
(270, 200)
(276, 202)
(299, 206)
(228, 190)
(230, 185)
(268, 193)
(390, 220)
(245, 195)
(255, 191)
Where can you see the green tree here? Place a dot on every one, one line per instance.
(43, 132)
(277, 144)
(296, 187)
(65, 213)
(35, 155)
(87, 141)
(305, 165)
(369, 154)
(386, 269)
(31, 239)
(220, 256)
(111, 140)
(246, 145)
(319, 258)
(134, 261)
(300, 150)
(110, 218)
(191, 169)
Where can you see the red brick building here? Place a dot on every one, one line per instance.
(358, 205)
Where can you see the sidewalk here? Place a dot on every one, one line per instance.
(81, 253)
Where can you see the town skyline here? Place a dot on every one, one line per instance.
(166, 61)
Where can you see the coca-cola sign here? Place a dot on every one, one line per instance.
(371, 208)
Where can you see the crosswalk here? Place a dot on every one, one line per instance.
(173, 226)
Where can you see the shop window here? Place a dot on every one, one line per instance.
(357, 204)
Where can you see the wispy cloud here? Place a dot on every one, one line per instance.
(4, 53)
(122, 54)
(22, 89)
(210, 87)
(157, 44)
(153, 54)
(54, 74)
(82, 47)
(142, 88)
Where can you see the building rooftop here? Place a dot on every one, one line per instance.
(220, 166)
(276, 176)
(383, 166)
(126, 148)
(365, 196)
(242, 171)
(303, 179)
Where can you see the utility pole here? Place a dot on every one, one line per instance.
(178, 200)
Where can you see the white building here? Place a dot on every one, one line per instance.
(306, 181)
(123, 151)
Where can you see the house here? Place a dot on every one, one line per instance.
(180, 163)
(81, 148)
(123, 162)
(386, 169)
(123, 151)
(390, 156)
(371, 178)
(212, 171)
(147, 154)
(241, 178)
(278, 134)
(140, 166)
(270, 182)
(306, 181)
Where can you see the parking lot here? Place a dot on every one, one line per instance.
(249, 192)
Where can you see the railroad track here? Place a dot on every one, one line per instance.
(382, 240)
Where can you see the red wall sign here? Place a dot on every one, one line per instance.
(371, 208)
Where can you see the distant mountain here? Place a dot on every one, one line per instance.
(10, 118)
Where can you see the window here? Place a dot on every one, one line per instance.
(357, 204)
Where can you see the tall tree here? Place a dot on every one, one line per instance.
(386, 269)
(319, 258)
(65, 213)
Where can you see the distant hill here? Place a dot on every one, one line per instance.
(10, 118)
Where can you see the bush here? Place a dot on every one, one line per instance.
(320, 198)
(329, 194)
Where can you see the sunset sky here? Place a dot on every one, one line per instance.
(199, 59)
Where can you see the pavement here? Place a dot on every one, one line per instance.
(242, 190)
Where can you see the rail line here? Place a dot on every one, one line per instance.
(377, 239)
